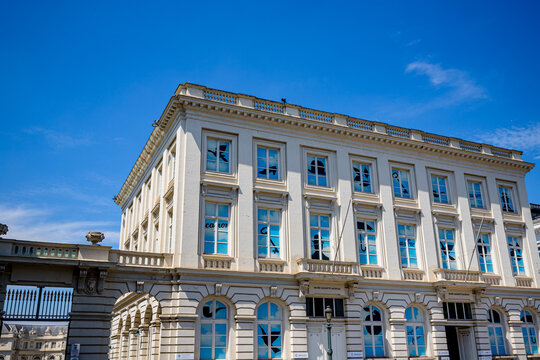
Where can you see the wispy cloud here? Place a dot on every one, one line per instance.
(449, 88)
(525, 138)
(59, 140)
(458, 85)
(26, 223)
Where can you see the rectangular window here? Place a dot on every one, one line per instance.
(484, 253)
(169, 230)
(475, 194)
(401, 183)
(367, 241)
(317, 170)
(218, 155)
(457, 311)
(438, 186)
(516, 256)
(362, 177)
(407, 245)
(448, 248)
(216, 228)
(505, 194)
(268, 224)
(315, 306)
(267, 163)
(319, 230)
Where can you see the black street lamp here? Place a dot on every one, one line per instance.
(328, 314)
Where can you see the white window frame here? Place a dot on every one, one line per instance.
(205, 201)
(414, 323)
(514, 258)
(450, 186)
(372, 163)
(214, 321)
(269, 322)
(358, 218)
(492, 325)
(412, 180)
(513, 197)
(267, 207)
(330, 168)
(491, 252)
(371, 323)
(483, 191)
(416, 244)
(233, 153)
(319, 213)
(171, 161)
(525, 325)
(282, 163)
(456, 249)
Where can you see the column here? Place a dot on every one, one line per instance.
(144, 347)
(154, 335)
(398, 336)
(132, 347)
(245, 346)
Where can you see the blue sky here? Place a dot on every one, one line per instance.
(82, 83)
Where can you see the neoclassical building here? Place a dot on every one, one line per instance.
(422, 245)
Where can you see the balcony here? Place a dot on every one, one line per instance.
(328, 267)
(463, 276)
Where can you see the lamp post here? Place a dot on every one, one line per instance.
(328, 314)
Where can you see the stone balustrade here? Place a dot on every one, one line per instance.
(458, 275)
(281, 108)
(325, 266)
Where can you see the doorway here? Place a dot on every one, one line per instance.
(461, 343)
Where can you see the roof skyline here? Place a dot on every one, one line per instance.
(82, 85)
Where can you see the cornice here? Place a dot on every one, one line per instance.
(161, 125)
(193, 96)
(336, 129)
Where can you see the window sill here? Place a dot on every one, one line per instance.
(271, 264)
(372, 271)
(513, 219)
(318, 190)
(217, 261)
(271, 183)
(523, 281)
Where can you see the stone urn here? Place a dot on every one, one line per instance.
(95, 237)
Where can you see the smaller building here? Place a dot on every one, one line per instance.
(33, 341)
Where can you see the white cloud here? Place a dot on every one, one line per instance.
(58, 140)
(36, 225)
(456, 86)
(524, 138)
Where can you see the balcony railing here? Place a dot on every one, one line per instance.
(458, 275)
(350, 122)
(326, 266)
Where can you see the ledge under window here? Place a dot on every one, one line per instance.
(217, 261)
(271, 265)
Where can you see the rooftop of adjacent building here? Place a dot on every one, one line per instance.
(535, 211)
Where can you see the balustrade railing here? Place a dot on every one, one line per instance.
(365, 125)
(458, 275)
(326, 266)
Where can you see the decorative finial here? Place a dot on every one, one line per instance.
(95, 237)
(3, 229)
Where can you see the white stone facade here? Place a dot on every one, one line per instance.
(269, 207)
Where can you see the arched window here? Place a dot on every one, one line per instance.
(269, 337)
(213, 331)
(496, 333)
(373, 331)
(416, 338)
(529, 332)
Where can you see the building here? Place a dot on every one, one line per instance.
(421, 244)
(32, 341)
